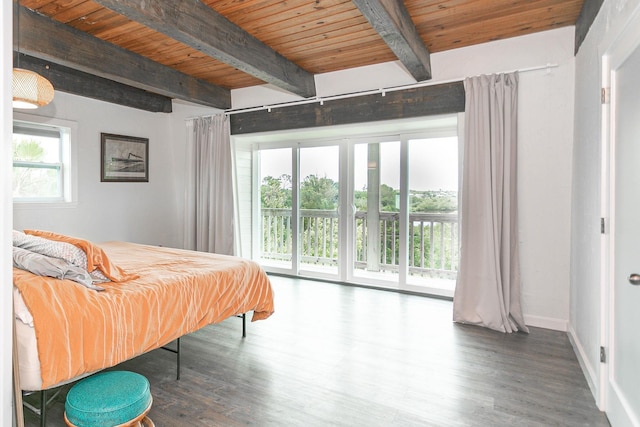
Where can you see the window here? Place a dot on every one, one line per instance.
(42, 161)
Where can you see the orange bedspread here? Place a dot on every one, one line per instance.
(79, 330)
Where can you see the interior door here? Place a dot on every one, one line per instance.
(623, 394)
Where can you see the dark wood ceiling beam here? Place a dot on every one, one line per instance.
(78, 83)
(392, 21)
(588, 13)
(49, 40)
(425, 101)
(200, 27)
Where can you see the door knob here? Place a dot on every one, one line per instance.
(634, 279)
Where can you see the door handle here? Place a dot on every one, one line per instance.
(634, 279)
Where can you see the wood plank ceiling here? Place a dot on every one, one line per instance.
(294, 39)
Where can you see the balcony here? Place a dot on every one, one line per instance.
(433, 245)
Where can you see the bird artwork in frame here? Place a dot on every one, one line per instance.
(123, 158)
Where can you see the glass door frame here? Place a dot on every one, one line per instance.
(349, 213)
(346, 207)
(297, 268)
(296, 202)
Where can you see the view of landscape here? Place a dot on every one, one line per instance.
(36, 166)
(432, 222)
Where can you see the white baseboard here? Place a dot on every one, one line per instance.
(546, 322)
(587, 368)
(620, 409)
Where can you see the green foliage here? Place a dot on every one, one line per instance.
(360, 200)
(439, 201)
(322, 193)
(388, 198)
(276, 192)
(444, 240)
(27, 151)
(32, 182)
(315, 193)
(319, 233)
(434, 201)
(318, 193)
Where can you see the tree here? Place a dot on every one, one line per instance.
(275, 193)
(318, 193)
(27, 151)
(434, 201)
(28, 180)
(360, 199)
(388, 199)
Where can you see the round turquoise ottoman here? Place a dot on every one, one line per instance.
(109, 399)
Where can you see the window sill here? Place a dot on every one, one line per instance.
(43, 205)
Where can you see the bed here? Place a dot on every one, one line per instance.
(144, 297)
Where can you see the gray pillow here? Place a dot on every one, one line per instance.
(42, 265)
(50, 248)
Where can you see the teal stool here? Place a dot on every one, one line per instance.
(109, 399)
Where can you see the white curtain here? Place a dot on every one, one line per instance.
(488, 287)
(209, 213)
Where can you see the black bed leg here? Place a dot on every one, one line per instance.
(244, 325)
(176, 351)
(43, 408)
(178, 358)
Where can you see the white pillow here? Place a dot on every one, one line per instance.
(43, 265)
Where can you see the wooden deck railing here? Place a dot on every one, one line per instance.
(433, 242)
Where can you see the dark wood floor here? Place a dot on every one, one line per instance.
(344, 356)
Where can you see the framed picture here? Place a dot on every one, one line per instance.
(123, 158)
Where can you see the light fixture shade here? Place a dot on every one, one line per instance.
(30, 89)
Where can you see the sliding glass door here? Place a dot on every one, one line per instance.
(318, 215)
(378, 211)
(275, 196)
(433, 211)
(299, 219)
(376, 196)
(406, 221)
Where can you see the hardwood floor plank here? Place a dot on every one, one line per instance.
(333, 355)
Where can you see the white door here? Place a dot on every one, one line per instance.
(623, 394)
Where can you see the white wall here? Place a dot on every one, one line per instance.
(149, 213)
(545, 147)
(588, 202)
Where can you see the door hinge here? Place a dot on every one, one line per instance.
(605, 95)
(603, 355)
(603, 225)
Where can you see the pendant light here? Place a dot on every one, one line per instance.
(30, 89)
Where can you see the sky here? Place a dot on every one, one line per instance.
(433, 163)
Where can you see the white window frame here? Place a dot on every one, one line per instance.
(346, 137)
(68, 165)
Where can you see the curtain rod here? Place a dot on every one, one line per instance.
(382, 91)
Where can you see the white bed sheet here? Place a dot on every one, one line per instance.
(30, 378)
